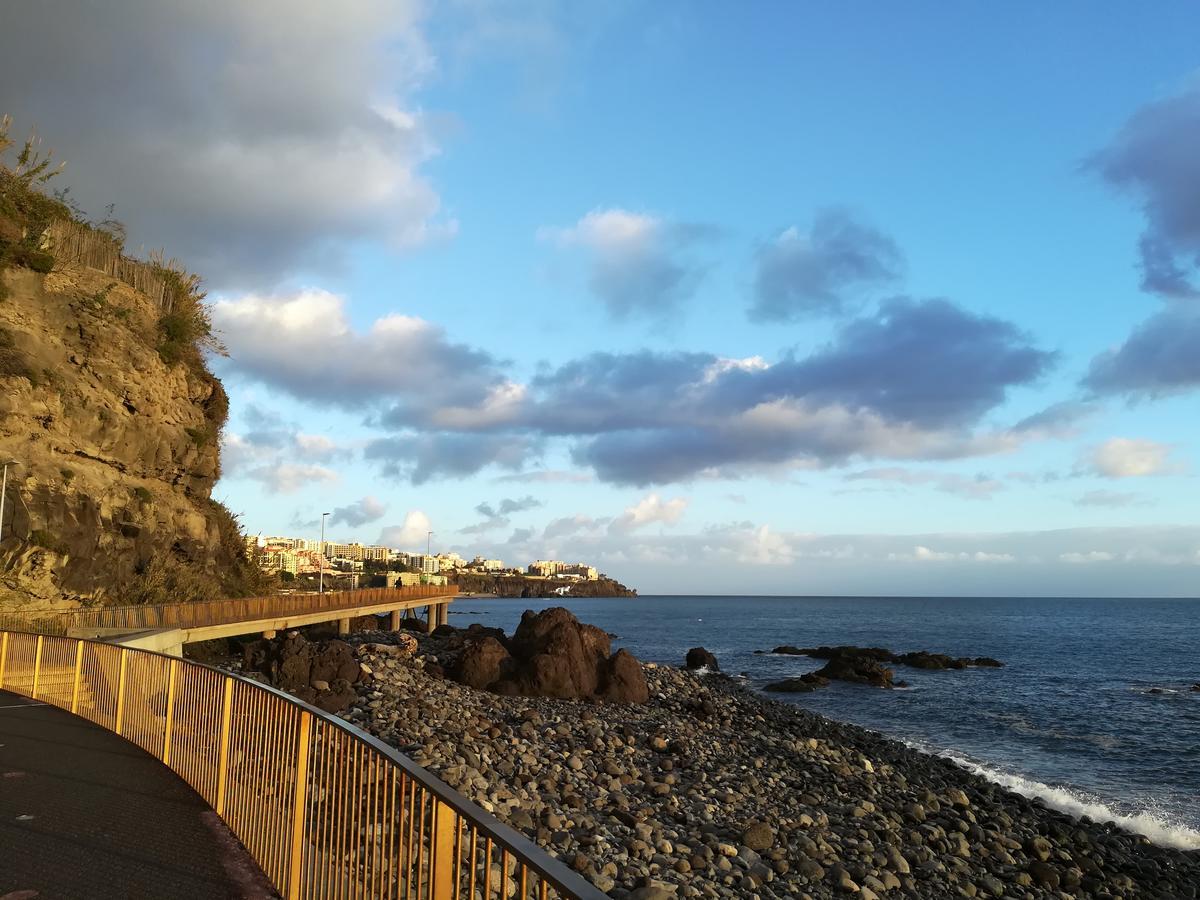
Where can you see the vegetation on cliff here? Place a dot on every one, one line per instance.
(109, 408)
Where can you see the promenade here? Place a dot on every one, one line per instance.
(86, 814)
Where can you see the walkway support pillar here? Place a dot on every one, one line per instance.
(343, 626)
(269, 635)
(394, 620)
(430, 618)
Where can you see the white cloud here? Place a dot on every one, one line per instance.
(921, 553)
(409, 536)
(1132, 458)
(979, 487)
(287, 478)
(304, 343)
(637, 259)
(368, 509)
(647, 511)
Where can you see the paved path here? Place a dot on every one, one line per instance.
(85, 814)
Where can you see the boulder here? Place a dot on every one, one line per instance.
(625, 681)
(788, 650)
(1196, 687)
(699, 658)
(322, 674)
(551, 654)
(483, 662)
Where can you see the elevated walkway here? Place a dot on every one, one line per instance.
(165, 628)
(86, 814)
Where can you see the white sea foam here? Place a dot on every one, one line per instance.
(1158, 829)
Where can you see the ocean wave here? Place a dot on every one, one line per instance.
(1159, 829)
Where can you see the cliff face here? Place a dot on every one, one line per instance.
(117, 449)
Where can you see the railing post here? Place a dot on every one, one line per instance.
(299, 804)
(441, 848)
(78, 676)
(121, 692)
(168, 727)
(223, 764)
(3, 657)
(37, 667)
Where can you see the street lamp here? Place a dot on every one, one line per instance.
(4, 491)
(428, 539)
(321, 557)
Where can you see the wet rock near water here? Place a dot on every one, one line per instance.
(866, 665)
(699, 658)
(710, 790)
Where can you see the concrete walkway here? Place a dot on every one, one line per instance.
(85, 814)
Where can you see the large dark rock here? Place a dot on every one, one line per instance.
(322, 674)
(699, 658)
(483, 662)
(551, 654)
(625, 681)
(789, 650)
(858, 670)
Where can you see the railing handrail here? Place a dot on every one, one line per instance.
(523, 849)
(154, 615)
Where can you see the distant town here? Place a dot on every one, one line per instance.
(366, 565)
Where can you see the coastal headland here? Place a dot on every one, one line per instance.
(708, 789)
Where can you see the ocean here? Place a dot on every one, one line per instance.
(1070, 718)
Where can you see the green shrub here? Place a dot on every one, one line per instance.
(201, 437)
(67, 475)
(47, 540)
(142, 494)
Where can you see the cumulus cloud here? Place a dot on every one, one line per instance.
(287, 478)
(426, 457)
(649, 510)
(303, 344)
(639, 262)
(497, 516)
(911, 381)
(368, 509)
(978, 487)
(267, 136)
(1160, 358)
(1156, 158)
(821, 272)
(908, 383)
(410, 535)
(1131, 458)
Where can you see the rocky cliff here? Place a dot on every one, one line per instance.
(112, 419)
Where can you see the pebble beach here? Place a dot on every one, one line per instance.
(712, 790)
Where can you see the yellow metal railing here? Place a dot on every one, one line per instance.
(217, 612)
(326, 810)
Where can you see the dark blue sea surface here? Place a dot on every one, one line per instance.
(1070, 718)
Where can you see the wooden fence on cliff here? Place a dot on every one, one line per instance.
(73, 242)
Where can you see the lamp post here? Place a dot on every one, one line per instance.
(428, 539)
(321, 556)
(4, 491)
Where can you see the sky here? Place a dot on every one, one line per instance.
(789, 298)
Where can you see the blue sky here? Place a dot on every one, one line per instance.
(793, 298)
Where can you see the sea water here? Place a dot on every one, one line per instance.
(1092, 711)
